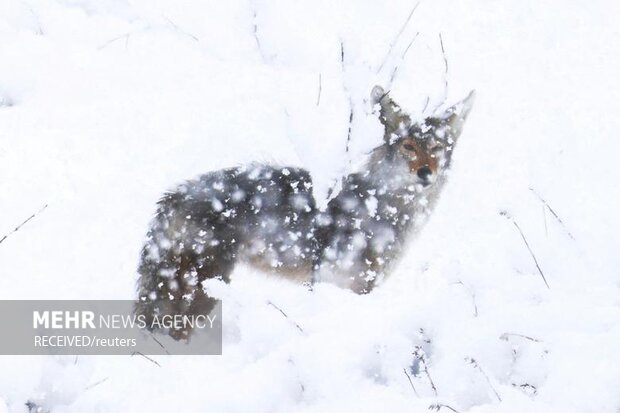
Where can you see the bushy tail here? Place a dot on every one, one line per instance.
(169, 282)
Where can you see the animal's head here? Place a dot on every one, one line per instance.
(426, 147)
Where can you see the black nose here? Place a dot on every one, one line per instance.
(424, 173)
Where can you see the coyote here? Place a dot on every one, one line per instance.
(267, 217)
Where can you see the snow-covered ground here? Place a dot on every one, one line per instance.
(106, 104)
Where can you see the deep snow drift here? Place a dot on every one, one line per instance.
(104, 105)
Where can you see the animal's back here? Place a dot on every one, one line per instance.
(259, 214)
(277, 226)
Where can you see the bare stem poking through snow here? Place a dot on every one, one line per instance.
(301, 385)
(346, 91)
(420, 355)
(506, 336)
(400, 61)
(332, 189)
(445, 76)
(146, 357)
(555, 215)
(400, 32)
(437, 407)
(474, 363)
(471, 293)
(286, 315)
(527, 244)
(90, 386)
(17, 228)
(109, 42)
(159, 343)
(179, 30)
(527, 388)
(411, 382)
(256, 37)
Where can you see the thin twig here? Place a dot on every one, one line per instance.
(347, 148)
(301, 385)
(285, 315)
(346, 91)
(540, 271)
(179, 30)
(428, 374)
(402, 58)
(506, 336)
(425, 337)
(438, 406)
(400, 32)
(17, 228)
(445, 59)
(557, 217)
(411, 382)
(146, 357)
(428, 100)
(527, 244)
(159, 342)
(96, 384)
(109, 42)
(445, 74)
(419, 354)
(473, 295)
(332, 189)
(473, 362)
(256, 37)
(524, 386)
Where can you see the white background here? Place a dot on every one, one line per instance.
(106, 104)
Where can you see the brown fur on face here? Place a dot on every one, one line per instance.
(419, 153)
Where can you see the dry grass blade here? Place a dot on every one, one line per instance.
(146, 357)
(285, 315)
(411, 382)
(555, 215)
(527, 244)
(400, 32)
(17, 228)
(474, 363)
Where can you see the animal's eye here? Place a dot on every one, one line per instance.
(409, 147)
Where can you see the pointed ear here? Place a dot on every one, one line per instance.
(395, 121)
(453, 118)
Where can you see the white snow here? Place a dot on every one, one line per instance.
(104, 105)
